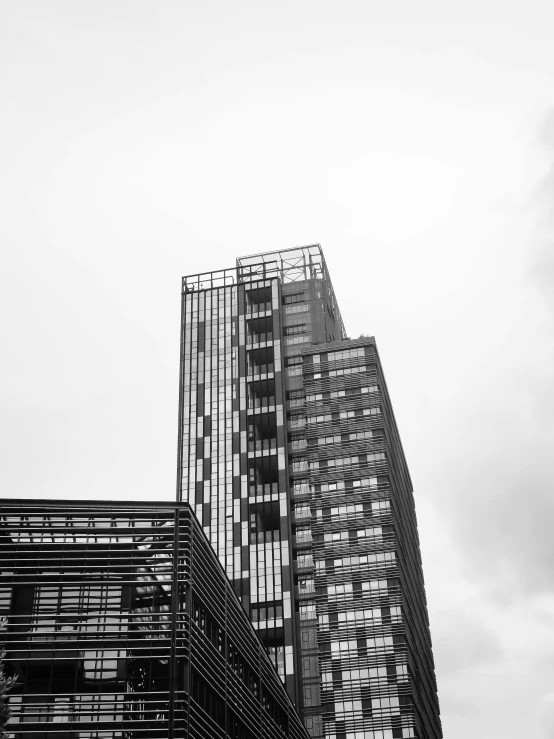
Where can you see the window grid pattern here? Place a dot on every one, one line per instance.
(350, 497)
(365, 687)
(233, 337)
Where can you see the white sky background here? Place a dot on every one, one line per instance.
(141, 141)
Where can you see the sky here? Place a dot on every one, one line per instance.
(141, 141)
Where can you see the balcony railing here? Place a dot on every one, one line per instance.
(259, 338)
(305, 587)
(264, 537)
(258, 308)
(266, 402)
(305, 562)
(304, 536)
(268, 488)
(262, 445)
(261, 369)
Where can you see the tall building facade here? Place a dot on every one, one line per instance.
(290, 457)
(121, 624)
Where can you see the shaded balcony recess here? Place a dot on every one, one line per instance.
(259, 330)
(257, 309)
(261, 369)
(262, 433)
(261, 394)
(263, 403)
(261, 338)
(262, 445)
(258, 300)
(264, 522)
(270, 488)
(265, 537)
(260, 361)
(263, 471)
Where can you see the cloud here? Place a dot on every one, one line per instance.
(546, 711)
(493, 478)
(543, 267)
(546, 130)
(465, 641)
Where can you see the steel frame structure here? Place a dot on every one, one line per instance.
(300, 263)
(122, 623)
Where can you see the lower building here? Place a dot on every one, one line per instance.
(122, 623)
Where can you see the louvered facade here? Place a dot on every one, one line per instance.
(121, 623)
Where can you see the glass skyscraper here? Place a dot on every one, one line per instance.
(290, 457)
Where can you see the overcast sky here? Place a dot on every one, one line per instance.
(145, 140)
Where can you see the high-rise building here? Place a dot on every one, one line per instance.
(122, 624)
(290, 457)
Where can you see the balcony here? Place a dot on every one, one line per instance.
(268, 489)
(262, 434)
(259, 339)
(258, 301)
(264, 537)
(260, 363)
(256, 309)
(261, 395)
(260, 371)
(303, 537)
(305, 562)
(302, 490)
(262, 445)
(259, 331)
(302, 513)
(263, 475)
(264, 523)
(306, 587)
(261, 404)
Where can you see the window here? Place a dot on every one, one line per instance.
(299, 465)
(345, 461)
(290, 340)
(299, 328)
(300, 308)
(307, 610)
(345, 354)
(347, 510)
(306, 586)
(375, 531)
(336, 536)
(380, 506)
(303, 511)
(294, 298)
(290, 361)
(337, 591)
(375, 585)
(303, 536)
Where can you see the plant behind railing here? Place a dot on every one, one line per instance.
(6, 684)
